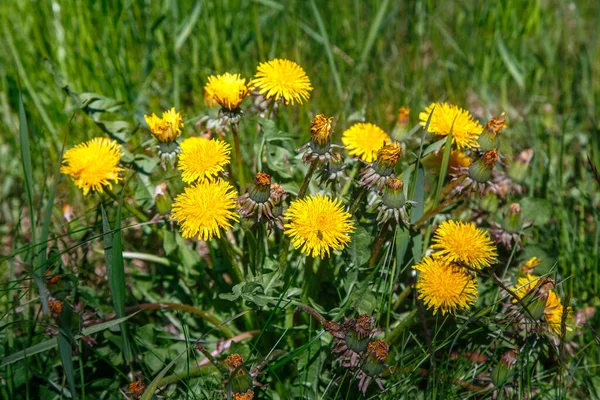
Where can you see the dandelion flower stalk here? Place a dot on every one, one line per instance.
(238, 154)
(307, 178)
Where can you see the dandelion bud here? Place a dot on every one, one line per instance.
(512, 218)
(504, 369)
(249, 395)
(518, 169)
(489, 137)
(320, 131)
(383, 167)
(393, 195)
(257, 198)
(240, 380)
(377, 354)
(481, 170)
(162, 199)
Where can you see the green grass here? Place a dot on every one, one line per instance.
(88, 69)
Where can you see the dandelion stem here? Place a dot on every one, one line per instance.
(357, 200)
(307, 177)
(378, 243)
(402, 326)
(238, 155)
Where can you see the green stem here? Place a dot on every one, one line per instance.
(307, 177)
(402, 326)
(351, 178)
(378, 244)
(357, 200)
(135, 211)
(238, 155)
(238, 277)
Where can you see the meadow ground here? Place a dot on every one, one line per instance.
(104, 296)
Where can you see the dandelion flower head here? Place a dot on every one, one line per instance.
(205, 208)
(446, 117)
(458, 241)
(202, 159)
(364, 140)
(282, 79)
(318, 224)
(167, 128)
(445, 286)
(228, 90)
(93, 164)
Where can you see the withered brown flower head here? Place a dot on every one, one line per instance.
(364, 324)
(262, 179)
(248, 395)
(137, 388)
(234, 361)
(394, 184)
(389, 155)
(496, 124)
(378, 349)
(55, 306)
(490, 158)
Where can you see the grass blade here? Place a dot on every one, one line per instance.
(65, 340)
(26, 163)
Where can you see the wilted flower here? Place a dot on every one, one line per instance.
(373, 365)
(93, 164)
(137, 388)
(319, 147)
(377, 173)
(352, 338)
(463, 242)
(445, 286)
(510, 230)
(504, 369)
(318, 224)
(446, 117)
(282, 80)
(205, 208)
(55, 306)
(488, 140)
(363, 140)
(403, 115)
(479, 174)
(257, 198)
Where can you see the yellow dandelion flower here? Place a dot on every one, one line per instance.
(444, 286)
(464, 242)
(93, 164)
(458, 159)
(202, 159)
(553, 312)
(205, 208)
(529, 266)
(282, 79)
(228, 90)
(525, 285)
(167, 128)
(465, 130)
(318, 224)
(364, 140)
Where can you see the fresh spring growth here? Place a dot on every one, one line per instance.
(464, 243)
(205, 208)
(445, 286)
(376, 174)
(282, 80)
(166, 130)
(363, 140)
(203, 159)
(447, 117)
(318, 224)
(93, 164)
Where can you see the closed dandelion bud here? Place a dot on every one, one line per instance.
(320, 132)
(512, 218)
(518, 169)
(377, 173)
(162, 198)
(488, 139)
(504, 370)
(240, 380)
(257, 198)
(377, 354)
(393, 193)
(358, 336)
(481, 170)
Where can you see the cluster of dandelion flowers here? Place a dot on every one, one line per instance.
(364, 140)
(446, 117)
(228, 90)
(93, 164)
(205, 208)
(318, 224)
(167, 128)
(282, 79)
(463, 242)
(203, 159)
(444, 285)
